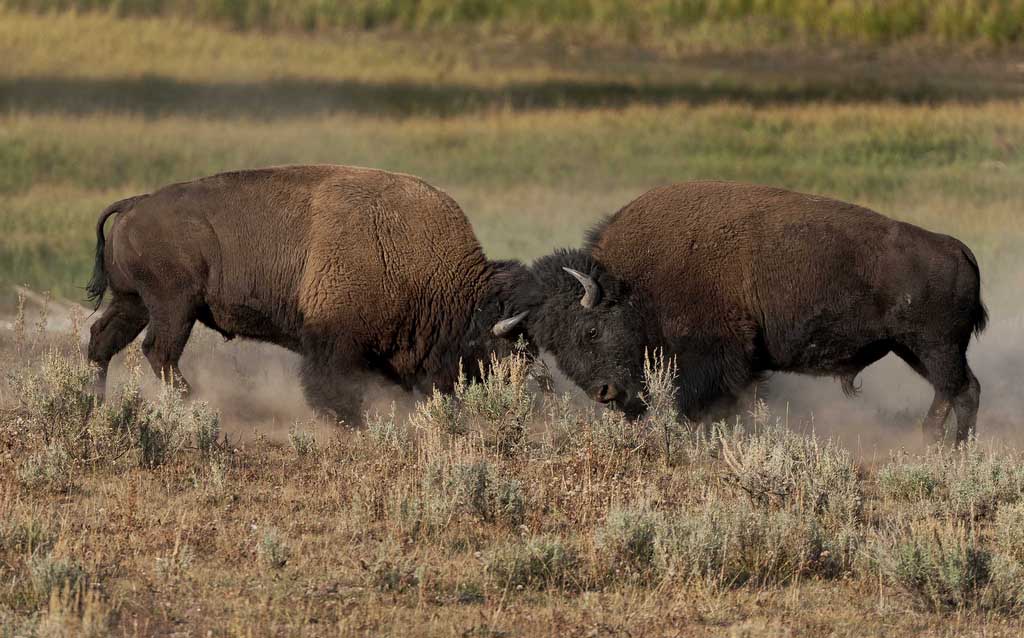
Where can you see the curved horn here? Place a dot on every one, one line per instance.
(505, 326)
(592, 292)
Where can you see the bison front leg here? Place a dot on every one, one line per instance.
(335, 392)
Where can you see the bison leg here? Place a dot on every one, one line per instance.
(120, 323)
(946, 369)
(170, 325)
(333, 390)
(965, 405)
(934, 425)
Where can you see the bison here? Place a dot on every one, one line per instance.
(357, 270)
(735, 281)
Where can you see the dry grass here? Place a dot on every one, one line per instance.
(138, 518)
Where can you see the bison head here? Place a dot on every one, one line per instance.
(496, 324)
(595, 326)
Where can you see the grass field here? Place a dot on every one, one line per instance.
(721, 23)
(134, 523)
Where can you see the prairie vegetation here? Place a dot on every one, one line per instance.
(505, 510)
(499, 511)
(992, 23)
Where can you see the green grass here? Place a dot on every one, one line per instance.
(529, 182)
(991, 22)
(537, 140)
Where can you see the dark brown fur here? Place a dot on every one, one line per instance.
(355, 269)
(740, 280)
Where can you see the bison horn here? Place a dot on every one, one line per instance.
(505, 326)
(591, 291)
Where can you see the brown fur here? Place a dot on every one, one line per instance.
(356, 269)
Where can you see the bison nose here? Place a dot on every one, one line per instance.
(607, 393)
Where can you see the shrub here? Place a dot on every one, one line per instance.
(500, 404)
(27, 535)
(392, 572)
(50, 467)
(779, 467)
(967, 483)
(479, 490)
(304, 443)
(626, 541)
(941, 564)
(728, 543)
(660, 398)
(48, 574)
(1006, 590)
(540, 563)
(388, 434)
(272, 550)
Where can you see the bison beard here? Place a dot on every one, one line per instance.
(360, 271)
(736, 281)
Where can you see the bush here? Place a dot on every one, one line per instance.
(48, 574)
(500, 406)
(626, 542)
(942, 565)
(479, 490)
(392, 572)
(1006, 590)
(51, 467)
(728, 543)
(967, 483)
(779, 467)
(540, 563)
(388, 434)
(272, 550)
(304, 443)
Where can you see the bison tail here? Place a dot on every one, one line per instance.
(979, 314)
(97, 286)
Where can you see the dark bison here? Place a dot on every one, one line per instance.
(737, 280)
(355, 269)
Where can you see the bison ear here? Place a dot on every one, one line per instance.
(591, 290)
(505, 326)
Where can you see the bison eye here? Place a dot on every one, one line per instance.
(592, 334)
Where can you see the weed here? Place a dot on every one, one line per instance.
(388, 434)
(272, 550)
(943, 565)
(49, 574)
(627, 541)
(538, 563)
(303, 442)
(727, 543)
(177, 563)
(49, 467)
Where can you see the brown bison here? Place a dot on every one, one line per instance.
(737, 280)
(357, 270)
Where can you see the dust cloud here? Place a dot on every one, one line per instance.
(887, 413)
(255, 386)
(256, 389)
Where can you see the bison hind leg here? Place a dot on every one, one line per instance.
(965, 406)
(956, 389)
(170, 325)
(117, 327)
